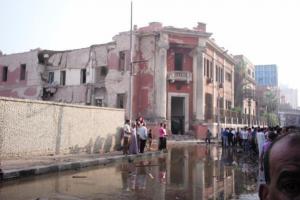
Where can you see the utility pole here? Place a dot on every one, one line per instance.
(218, 115)
(130, 70)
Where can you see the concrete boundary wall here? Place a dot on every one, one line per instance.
(29, 128)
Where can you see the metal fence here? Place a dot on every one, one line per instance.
(231, 117)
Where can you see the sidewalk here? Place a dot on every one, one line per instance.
(30, 166)
(12, 169)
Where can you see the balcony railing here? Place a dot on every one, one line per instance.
(180, 76)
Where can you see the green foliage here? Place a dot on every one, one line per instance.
(271, 118)
(237, 109)
(270, 100)
(271, 103)
(239, 83)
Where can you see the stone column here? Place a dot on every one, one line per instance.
(160, 76)
(198, 78)
(215, 90)
(2, 113)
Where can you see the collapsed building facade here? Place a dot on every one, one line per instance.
(179, 75)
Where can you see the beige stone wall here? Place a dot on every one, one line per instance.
(41, 128)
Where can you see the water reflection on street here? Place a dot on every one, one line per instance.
(186, 172)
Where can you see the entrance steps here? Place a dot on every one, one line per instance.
(181, 137)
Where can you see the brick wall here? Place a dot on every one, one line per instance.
(30, 127)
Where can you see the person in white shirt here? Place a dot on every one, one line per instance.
(126, 135)
(234, 139)
(260, 138)
(244, 134)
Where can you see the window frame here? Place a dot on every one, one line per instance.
(4, 75)
(122, 60)
(121, 101)
(83, 76)
(178, 61)
(50, 77)
(22, 72)
(63, 77)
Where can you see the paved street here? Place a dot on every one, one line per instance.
(188, 171)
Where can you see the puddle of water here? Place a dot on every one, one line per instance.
(186, 172)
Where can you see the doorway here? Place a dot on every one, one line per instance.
(177, 115)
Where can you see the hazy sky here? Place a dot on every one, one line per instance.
(265, 31)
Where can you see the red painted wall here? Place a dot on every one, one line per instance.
(143, 88)
(190, 41)
(13, 77)
(14, 87)
(113, 61)
(181, 87)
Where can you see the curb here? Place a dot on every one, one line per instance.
(192, 141)
(45, 169)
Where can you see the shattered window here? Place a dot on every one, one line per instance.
(51, 77)
(63, 78)
(122, 60)
(23, 72)
(83, 76)
(104, 71)
(4, 73)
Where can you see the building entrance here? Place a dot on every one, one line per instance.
(177, 115)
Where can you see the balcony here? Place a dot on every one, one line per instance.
(185, 76)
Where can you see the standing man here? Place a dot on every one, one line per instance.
(282, 169)
(244, 134)
(225, 137)
(127, 132)
(208, 136)
(260, 138)
(143, 134)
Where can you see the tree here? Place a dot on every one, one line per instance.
(243, 84)
(239, 83)
(270, 103)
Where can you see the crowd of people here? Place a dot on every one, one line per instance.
(253, 140)
(278, 150)
(136, 137)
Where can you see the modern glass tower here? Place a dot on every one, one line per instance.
(266, 75)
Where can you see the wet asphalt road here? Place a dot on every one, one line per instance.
(186, 172)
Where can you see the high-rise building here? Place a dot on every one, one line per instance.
(266, 75)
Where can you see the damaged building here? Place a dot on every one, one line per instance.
(97, 75)
(180, 75)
